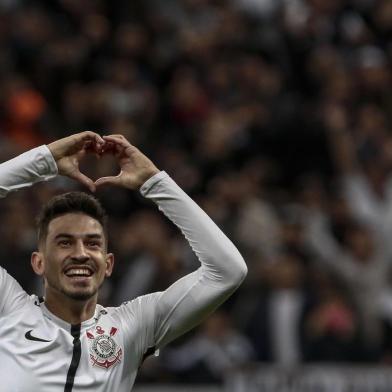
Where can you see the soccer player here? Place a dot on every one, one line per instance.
(65, 341)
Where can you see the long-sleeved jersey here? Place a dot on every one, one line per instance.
(41, 352)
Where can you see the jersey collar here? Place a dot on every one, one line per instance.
(64, 324)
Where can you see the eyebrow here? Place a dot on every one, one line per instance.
(67, 235)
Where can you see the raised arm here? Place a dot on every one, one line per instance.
(45, 162)
(40, 164)
(189, 300)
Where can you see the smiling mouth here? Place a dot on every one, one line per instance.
(79, 273)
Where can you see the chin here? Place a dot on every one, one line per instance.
(80, 295)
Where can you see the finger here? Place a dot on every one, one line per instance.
(115, 148)
(91, 147)
(109, 147)
(99, 140)
(92, 139)
(83, 179)
(117, 135)
(89, 135)
(111, 180)
(117, 139)
(120, 140)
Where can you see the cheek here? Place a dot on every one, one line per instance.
(49, 270)
(51, 265)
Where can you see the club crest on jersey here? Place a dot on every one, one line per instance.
(104, 351)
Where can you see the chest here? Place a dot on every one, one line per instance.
(36, 354)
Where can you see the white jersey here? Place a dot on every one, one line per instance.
(41, 352)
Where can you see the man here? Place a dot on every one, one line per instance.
(66, 341)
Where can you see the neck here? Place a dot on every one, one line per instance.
(70, 310)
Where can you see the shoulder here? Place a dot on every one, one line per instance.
(12, 295)
(138, 308)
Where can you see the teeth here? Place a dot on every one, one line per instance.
(78, 272)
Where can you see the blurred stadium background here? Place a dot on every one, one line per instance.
(275, 115)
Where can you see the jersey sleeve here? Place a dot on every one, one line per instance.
(12, 296)
(164, 316)
(26, 169)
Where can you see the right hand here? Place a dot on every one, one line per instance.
(69, 151)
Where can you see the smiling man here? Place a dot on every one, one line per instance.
(65, 341)
(72, 252)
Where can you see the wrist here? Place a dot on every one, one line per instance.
(54, 150)
(146, 176)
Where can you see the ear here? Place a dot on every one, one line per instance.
(37, 262)
(109, 264)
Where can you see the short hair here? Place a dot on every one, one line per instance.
(70, 202)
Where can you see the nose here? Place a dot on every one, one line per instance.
(79, 252)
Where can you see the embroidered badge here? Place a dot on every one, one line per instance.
(104, 351)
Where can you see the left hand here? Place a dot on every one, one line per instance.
(135, 167)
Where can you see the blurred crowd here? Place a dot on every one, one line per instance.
(274, 115)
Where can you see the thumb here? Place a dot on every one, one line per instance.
(111, 180)
(83, 179)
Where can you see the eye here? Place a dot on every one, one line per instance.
(94, 244)
(64, 243)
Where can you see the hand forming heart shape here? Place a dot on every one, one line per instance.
(135, 167)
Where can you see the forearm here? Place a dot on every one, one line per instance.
(26, 169)
(221, 262)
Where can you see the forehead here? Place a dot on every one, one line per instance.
(76, 224)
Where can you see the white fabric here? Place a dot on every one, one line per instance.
(146, 322)
(26, 169)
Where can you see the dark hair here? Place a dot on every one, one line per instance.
(71, 202)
